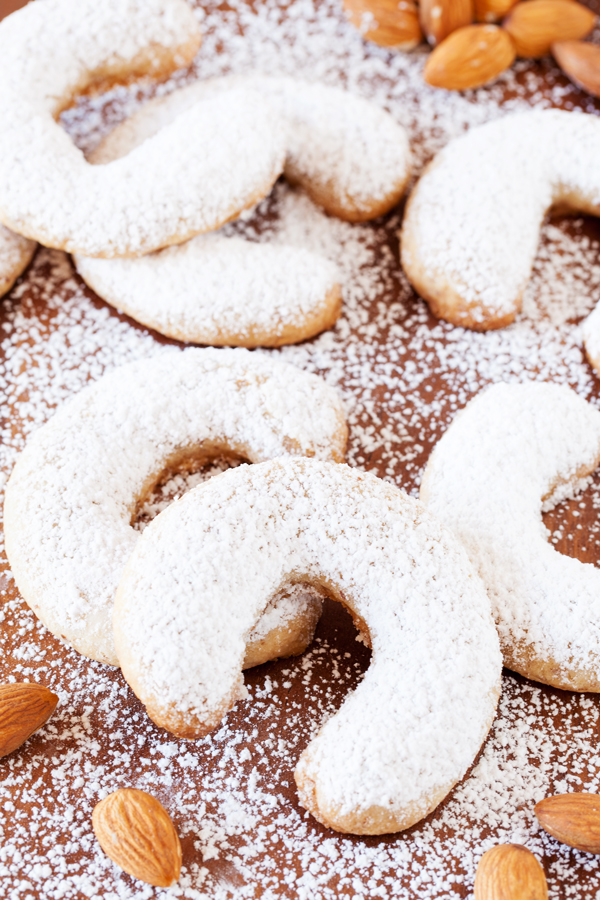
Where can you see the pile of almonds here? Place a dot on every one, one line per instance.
(475, 40)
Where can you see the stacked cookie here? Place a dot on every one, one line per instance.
(182, 167)
(159, 186)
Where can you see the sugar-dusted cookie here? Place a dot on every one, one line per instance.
(517, 449)
(215, 160)
(76, 487)
(223, 291)
(206, 568)
(472, 223)
(348, 154)
(16, 253)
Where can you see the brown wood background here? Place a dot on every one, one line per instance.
(100, 737)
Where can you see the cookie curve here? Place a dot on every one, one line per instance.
(275, 295)
(47, 189)
(16, 252)
(326, 135)
(509, 172)
(223, 291)
(191, 699)
(553, 644)
(100, 454)
(376, 819)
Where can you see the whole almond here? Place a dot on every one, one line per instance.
(510, 872)
(389, 23)
(23, 709)
(470, 57)
(439, 18)
(135, 831)
(573, 819)
(581, 62)
(535, 25)
(492, 10)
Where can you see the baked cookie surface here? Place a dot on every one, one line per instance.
(472, 223)
(204, 571)
(404, 375)
(189, 179)
(515, 450)
(75, 490)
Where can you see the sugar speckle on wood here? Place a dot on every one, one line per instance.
(403, 376)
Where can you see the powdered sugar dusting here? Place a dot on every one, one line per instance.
(403, 376)
(348, 153)
(186, 602)
(513, 447)
(74, 489)
(162, 193)
(471, 230)
(222, 291)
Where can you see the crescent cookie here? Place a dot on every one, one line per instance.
(350, 156)
(206, 568)
(76, 487)
(472, 223)
(514, 451)
(16, 253)
(191, 177)
(223, 291)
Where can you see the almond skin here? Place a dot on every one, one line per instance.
(136, 832)
(439, 18)
(573, 819)
(581, 62)
(535, 25)
(23, 709)
(492, 10)
(470, 57)
(510, 872)
(389, 23)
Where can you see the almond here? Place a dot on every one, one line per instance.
(492, 10)
(581, 62)
(135, 831)
(23, 709)
(510, 872)
(470, 57)
(573, 819)
(439, 18)
(389, 23)
(536, 24)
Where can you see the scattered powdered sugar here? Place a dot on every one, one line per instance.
(513, 447)
(174, 486)
(554, 296)
(403, 376)
(472, 225)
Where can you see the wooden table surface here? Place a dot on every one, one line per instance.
(403, 375)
